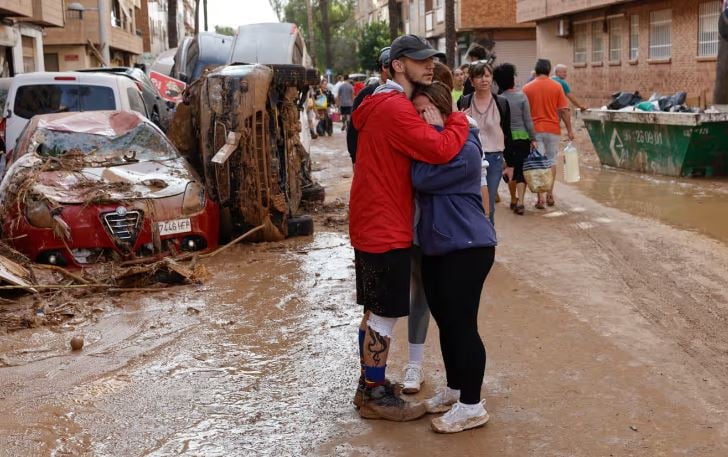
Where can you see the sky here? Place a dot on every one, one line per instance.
(237, 12)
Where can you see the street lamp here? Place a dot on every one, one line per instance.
(103, 28)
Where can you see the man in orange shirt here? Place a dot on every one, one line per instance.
(548, 103)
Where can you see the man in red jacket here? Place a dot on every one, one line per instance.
(391, 135)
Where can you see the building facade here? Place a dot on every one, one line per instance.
(22, 25)
(648, 46)
(493, 25)
(76, 45)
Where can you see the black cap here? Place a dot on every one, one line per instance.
(384, 57)
(413, 47)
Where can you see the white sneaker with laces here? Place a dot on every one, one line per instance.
(443, 399)
(413, 378)
(461, 417)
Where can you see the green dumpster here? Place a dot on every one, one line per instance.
(673, 144)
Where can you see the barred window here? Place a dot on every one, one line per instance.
(634, 36)
(708, 17)
(615, 39)
(580, 37)
(661, 34)
(597, 42)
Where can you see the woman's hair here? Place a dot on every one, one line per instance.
(505, 76)
(443, 74)
(439, 94)
(479, 68)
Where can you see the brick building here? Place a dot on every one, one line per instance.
(646, 45)
(493, 25)
(22, 25)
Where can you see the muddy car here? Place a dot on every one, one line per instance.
(86, 187)
(240, 126)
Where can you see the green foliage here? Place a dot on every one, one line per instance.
(373, 37)
(224, 30)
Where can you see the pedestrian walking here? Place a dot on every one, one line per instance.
(548, 104)
(352, 134)
(310, 107)
(475, 53)
(391, 134)
(560, 74)
(323, 100)
(458, 244)
(493, 115)
(523, 134)
(459, 77)
(345, 101)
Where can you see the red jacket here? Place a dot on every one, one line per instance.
(391, 134)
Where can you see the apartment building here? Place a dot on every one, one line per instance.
(647, 45)
(76, 45)
(492, 24)
(22, 24)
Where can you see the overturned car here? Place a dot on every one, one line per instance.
(88, 187)
(240, 126)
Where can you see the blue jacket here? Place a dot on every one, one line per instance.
(451, 206)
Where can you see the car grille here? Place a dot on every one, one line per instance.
(124, 228)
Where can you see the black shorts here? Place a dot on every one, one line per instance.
(345, 110)
(383, 282)
(516, 156)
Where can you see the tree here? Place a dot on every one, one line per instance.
(394, 19)
(224, 30)
(450, 36)
(373, 37)
(278, 7)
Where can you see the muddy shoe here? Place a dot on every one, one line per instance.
(413, 378)
(461, 417)
(443, 399)
(381, 402)
(395, 388)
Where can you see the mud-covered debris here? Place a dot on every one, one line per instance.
(14, 274)
(77, 342)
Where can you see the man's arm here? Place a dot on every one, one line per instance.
(565, 115)
(575, 101)
(415, 138)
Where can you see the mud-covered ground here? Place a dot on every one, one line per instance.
(604, 320)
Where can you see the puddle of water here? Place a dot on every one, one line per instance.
(695, 204)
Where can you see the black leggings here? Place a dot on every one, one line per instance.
(453, 283)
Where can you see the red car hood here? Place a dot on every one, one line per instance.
(141, 180)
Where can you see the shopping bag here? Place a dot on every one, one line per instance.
(322, 102)
(537, 171)
(335, 115)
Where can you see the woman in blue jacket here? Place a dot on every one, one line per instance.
(458, 242)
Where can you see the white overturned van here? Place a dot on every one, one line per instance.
(56, 92)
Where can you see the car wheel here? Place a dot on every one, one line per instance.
(300, 226)
(313, 193)
(294, 75)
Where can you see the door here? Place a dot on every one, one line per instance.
(521, 53)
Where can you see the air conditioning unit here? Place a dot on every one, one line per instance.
(563, 28)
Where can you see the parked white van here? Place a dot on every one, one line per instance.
(56, 92)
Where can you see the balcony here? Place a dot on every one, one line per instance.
(77, 31)
(429, 24)
(16, 8)
(48, 13)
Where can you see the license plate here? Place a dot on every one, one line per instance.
(175, 226)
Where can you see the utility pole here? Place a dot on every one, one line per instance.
(204, 7)
(104, 33)
(450, 35)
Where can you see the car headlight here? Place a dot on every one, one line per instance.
(38, 213)
(194, 198)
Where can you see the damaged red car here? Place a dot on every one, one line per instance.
(89, 187)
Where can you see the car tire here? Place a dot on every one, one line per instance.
(294, 75)
(300, 226)
(314, 193)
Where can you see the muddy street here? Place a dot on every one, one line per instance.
(603, 319)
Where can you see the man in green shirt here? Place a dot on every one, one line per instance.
(560, 77)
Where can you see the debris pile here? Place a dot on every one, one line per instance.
(633, 101)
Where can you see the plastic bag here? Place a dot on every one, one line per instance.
(322, 102)
(537, 171)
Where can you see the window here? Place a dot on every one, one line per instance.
(597, 42)
(661, 34)
(634, 36)
(580, 43)
(615, 39)
(135, 101)
(708, 17)
(58, 98)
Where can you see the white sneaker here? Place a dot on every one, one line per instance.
(443, 399)
(413, 379)
(461, 417)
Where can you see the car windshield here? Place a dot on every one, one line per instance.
(140, 144)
